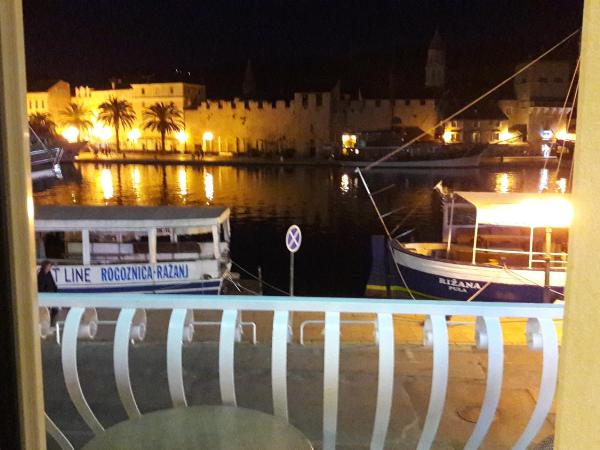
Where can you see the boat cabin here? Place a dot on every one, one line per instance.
(101, 235)
(513, 229)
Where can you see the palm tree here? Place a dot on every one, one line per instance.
(78, 116)
(42, 124)
(164, 118)
(118, 114)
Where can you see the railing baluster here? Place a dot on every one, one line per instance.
(121, 362)
(541, 334)
(69, 362)
(180, 329)
(488, 335)
(331, 379)
(229, 329)
(279, 363)
(385, 381)
(57, 435)
(436, 335)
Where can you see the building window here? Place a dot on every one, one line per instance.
(407, 102)
(43, 104)
(143, 91)
(319, 99)
(476, 137)
(422, 102)
(36, 104)
(304, 100)
(543, 79)
(260, 104)
(171, 90)
(558, 80)
(496, 136)
(454, 124)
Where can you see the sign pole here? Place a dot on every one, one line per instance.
(291, 274)
(293, 240)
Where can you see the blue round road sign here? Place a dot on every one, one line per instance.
(293, 238)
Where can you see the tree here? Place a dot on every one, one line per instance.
(78, 116)
(118, 114)
(164, 118)
(42, 124)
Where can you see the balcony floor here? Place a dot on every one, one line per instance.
(358, 387)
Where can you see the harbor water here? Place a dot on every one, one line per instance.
(328, 203)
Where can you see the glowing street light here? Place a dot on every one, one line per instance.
(71, 134)
(447, 136)
(101, 132)
(134, 135)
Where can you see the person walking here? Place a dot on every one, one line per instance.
(46, 283)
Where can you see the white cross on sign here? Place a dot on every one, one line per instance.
(293, 238)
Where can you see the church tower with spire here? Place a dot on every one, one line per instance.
(435, 68)
(249, 85)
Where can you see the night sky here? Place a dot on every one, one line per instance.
(291, 43)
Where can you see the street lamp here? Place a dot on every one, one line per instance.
(182, 137)
(71, 134)
(206, 138)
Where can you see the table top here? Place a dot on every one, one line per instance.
(202, 427)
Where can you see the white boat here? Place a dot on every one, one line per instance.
(45, 161)
(508, 247)
(162, 249)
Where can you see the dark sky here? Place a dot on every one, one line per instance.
(290, 43)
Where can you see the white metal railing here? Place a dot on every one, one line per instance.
(81, 323)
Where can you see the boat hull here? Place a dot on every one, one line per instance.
(467, 161)
(426, 277)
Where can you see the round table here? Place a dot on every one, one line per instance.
(202, 427)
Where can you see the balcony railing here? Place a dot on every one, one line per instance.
(82, 323)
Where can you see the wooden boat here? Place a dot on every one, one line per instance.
(495, 247)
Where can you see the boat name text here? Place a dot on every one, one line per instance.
(459, 285)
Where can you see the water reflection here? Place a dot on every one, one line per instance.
(543, 185)
(106, 183)
(265, 201)
(209, 187)
(345, 183)
(182, 178)
(502, 182)
(561, 184)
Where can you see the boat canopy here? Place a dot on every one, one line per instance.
(128, 218)
(521, 209)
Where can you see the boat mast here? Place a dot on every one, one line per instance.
(450, 227)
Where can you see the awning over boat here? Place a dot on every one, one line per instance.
(126, 218)
(521, 209)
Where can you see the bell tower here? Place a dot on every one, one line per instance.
(435, 68)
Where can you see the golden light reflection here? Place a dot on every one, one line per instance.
(345, 183)
(209, 187)
(182, 178)
(562, 185)
(136, 178)
(106, 182)
(503, 182)
(543, 184)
